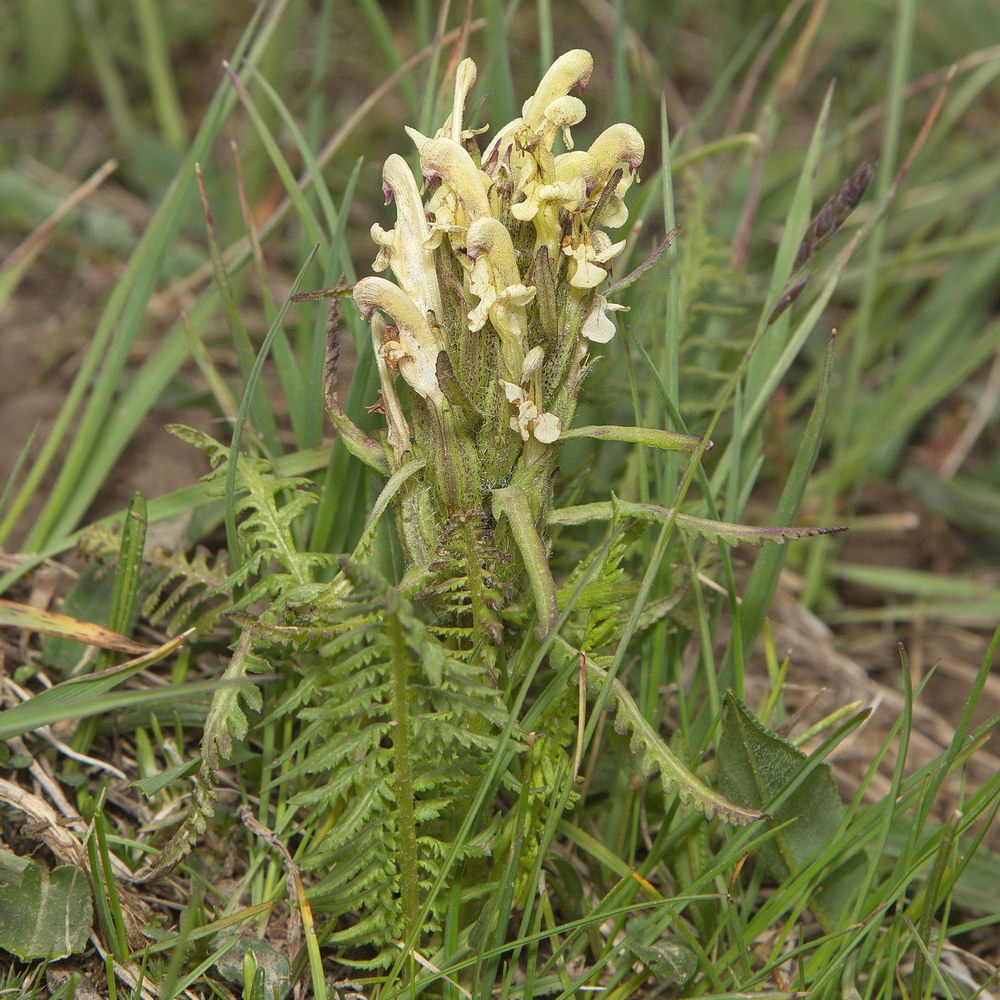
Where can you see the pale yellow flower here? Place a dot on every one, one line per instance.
(405, 249)
(597, 325)
(589, 248)
(617, 145)
(571, 69)
(496, 281)
(530, 421)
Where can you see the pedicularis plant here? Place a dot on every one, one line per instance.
(411, 694)
(495, 307)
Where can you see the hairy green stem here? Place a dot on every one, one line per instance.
(406, 827)
(485, 624)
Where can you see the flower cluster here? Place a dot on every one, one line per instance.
(495, 303)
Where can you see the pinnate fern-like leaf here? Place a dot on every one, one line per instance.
(345, 762)
(269, 505)
(189, 591)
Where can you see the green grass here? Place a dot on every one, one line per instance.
(606, 882)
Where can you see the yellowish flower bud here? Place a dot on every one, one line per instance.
(465, 79)
(571, 69)
(619, 143)
(532, 363)
(462, 198)
(561, 115)
(495, 279)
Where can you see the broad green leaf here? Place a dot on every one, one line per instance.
(266, 963)
(664, 954)
(43, 914)
(755, 767)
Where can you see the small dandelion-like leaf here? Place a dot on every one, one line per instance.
(654, 755)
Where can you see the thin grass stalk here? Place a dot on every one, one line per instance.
(546, 52)
(110, 980)
(498, 70)
(764, 578)
(221, 393)
(774, 348)
(382, 30)
(128, 570)
(110, 80)
(533, 913)
(432, 96)
(120, 946)
(932, 897)
(621, 77)
(256, 250)
(232, 538)
(262, 414)
(314, 348)
(501, 904)
(16, 263)
(156, 61)
(319, 71)
(673, 325)
(102, 900)
(904, 728)
(859, 351)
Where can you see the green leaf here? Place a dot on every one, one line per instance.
(755, 767)
(713, 531)
(43, 914)
(157, 782)
(649, 436)
(665, 955)
(250, 954)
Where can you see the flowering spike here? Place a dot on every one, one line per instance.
(495, 305)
